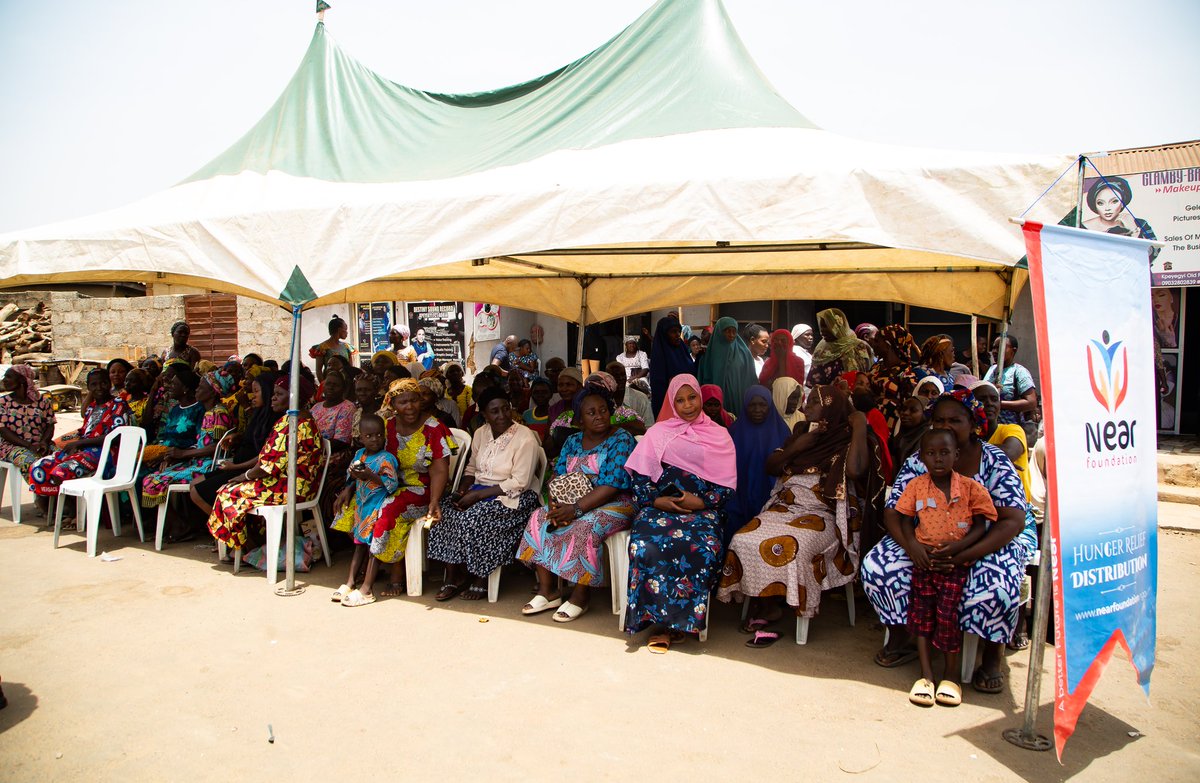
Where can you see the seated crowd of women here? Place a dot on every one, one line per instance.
(769, 490)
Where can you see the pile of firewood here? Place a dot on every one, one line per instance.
(24, 334)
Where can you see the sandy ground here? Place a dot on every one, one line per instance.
(166, 666)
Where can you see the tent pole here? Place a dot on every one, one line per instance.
(975, 345)
(1004, 332)
(584, 282)
(293, 414)
(1025, 737)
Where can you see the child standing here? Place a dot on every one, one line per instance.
(950, 510)
(373, 477)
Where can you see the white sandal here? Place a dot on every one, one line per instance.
(540, 603)
(569, 612)
(341, 593)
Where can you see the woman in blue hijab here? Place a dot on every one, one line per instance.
(669, 356)
(728, 363)
(757, 432)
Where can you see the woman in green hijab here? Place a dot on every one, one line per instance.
(728, 363)
(838, 352)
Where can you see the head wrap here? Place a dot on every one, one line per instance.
(488, 395)
(929, 379)
(169, 363)
(865, 331)
(398, 387)
(602, 378)
(1118, 185)
(727, 364)
(800, 329)
(434, 385)
(667, 361)
(965, 381)
(233, 357)
(783, 360)
(752, 444)
(120, 361)
(221, 383)
(976, 383)
(929, 348)
(178, 324)
(572, 372)
(31, 384)
(592, 390)
(630, 338)
(446, 367)
(901, 342)
(204, 366)
(306, 391)
(781, 390)
(401, 329)
(973, 407)
(700, 446)
(843, 345)
(711, 391)
(433, 372)
(389, 355)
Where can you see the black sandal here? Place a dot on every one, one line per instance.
(448, 591)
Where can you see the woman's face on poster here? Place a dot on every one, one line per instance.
(1162, 301)
(1108, 204)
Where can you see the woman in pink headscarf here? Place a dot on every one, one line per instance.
(683, 471)
(783, 361)
(26, 420)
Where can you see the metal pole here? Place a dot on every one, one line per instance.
(584, 282)
(975, 345)
(1026, 737)
(293, 414)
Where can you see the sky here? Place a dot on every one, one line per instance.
(106, 103)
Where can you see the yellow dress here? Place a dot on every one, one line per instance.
(1004, 432)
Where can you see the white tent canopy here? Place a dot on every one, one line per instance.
(586, 193)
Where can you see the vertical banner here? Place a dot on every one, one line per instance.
(443, 325)
(1091, 300)
(374, 321)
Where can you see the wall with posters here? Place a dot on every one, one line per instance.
(443, 325)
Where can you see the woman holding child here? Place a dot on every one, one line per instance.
(997, 562)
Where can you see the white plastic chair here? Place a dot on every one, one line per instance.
(414, 549)
(802, 622)
(13, 482)
(618, 571)
(129, 444)
(539, 476)
(186, 486)
(274, 517)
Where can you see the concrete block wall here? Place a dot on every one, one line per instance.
(265, 329)
(105, 327)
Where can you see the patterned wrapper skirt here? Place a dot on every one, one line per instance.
(484, 537)
(674, 560)
(575, 551)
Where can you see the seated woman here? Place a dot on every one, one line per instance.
(622, 416)
(456, 388)
(421, 446)
(181, 465)
(990, 598)
(683, 471)
(892, 378)
(788, 397)
(334, 417)
(247, 444)
(907, 439)
(265, 484)
(180, 426)
(161, 397)
(473, 418)
(480, 528)
(137, 393)
(1009, 438)
(713, 400)
(77, 453)
(26, 420)
(590, 499)
(433, 395)
(758, 432)
(805, 538)
(928, 389)
(117, 370)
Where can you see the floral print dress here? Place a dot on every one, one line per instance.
(674, 559)
(27, 421)
(213, 426)
(574, 551)
(235, 500)
(98, 421)
(362, 515)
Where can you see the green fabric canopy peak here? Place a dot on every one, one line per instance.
(679, 68)
(297, 291)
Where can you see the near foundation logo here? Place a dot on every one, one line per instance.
(1109, 381)
(1108, 372)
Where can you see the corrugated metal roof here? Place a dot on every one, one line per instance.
(1180, 155)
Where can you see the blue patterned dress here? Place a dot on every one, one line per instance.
(991, 597)
(574, 551)
(674, 559)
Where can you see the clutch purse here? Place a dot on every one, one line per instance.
(569, 487)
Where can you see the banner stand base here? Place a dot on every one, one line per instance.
(286, 593)
(1032, 742)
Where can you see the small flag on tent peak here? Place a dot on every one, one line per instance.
(322, 7)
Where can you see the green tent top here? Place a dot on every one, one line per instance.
(679, 68)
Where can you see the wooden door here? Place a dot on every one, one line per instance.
(214, 322)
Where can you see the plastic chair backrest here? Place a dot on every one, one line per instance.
(324, 468)
(130, 441)
(539, 472)
(222, 450)
(458, 460)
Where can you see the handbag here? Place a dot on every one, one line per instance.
(568, 488)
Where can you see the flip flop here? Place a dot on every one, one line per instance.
(473, 593)
(762, 639)
(539, 604)
(659, 643)
(1019, 642)
(949, 694)
(921, 693)
(356, 598)
(890, 659)
(569, 612)
(448, 591)
(753, 624)
(340, 594)
(979, 681)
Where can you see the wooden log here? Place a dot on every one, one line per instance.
(8, 312)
